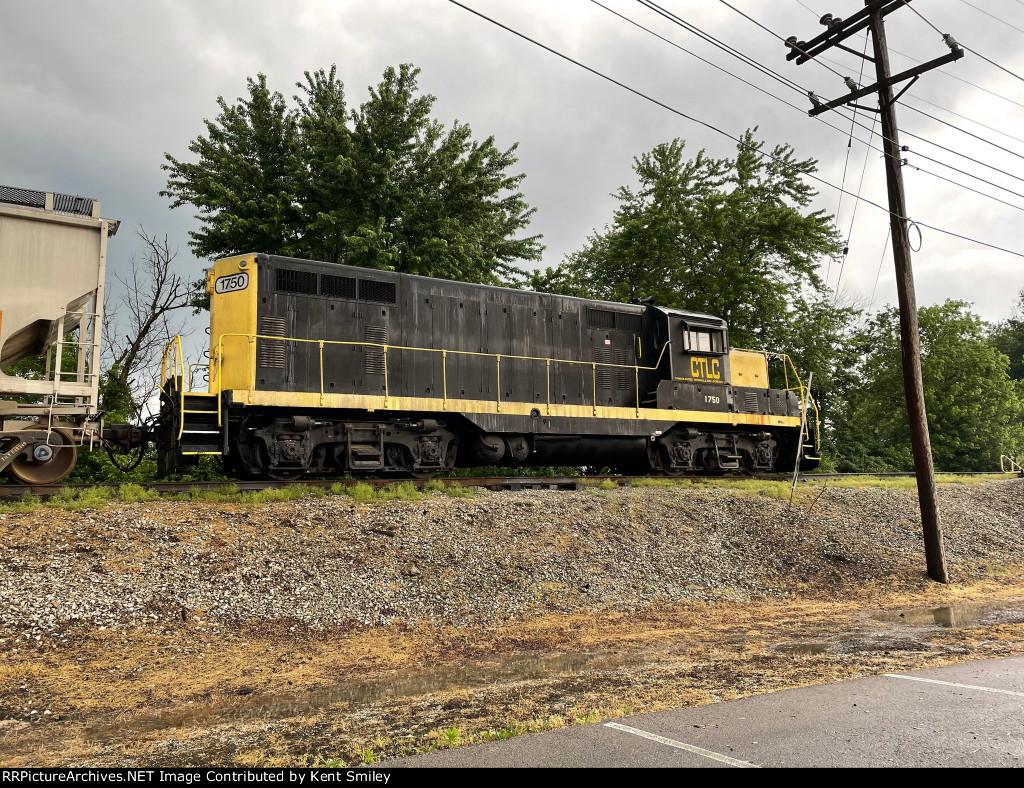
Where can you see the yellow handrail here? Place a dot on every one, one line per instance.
(173, 361)
(800, 389)
(1009, 464)
(197, 365)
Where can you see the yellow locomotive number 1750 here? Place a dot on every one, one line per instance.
(705, 368)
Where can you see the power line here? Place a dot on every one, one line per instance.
(964, 172)
(965, 131)
(962, 186)
(978, 54)
(773, 33)
(842, 184)
(871, 129)
(922, 112)
(993, 16)
(961, 79)
(939, 120)
(885, 246)
(712, 127)
(947, 109)
(730, 50)
(853, 218)
(676, 19)
(964, 117)
(702, 59)
(854, 123)
(1001, 68)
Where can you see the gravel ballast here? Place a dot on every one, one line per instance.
(326, 562)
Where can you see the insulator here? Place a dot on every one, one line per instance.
(791, 41)
(851, 84)
(814, 98)
(826, 20)
(950, 41)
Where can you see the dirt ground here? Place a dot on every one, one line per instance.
(271, 690)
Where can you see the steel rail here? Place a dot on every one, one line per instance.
(14, 491)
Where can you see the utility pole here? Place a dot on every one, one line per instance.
(871, 18)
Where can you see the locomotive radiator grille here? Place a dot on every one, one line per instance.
(623, 377)
(270, 352)
(603, 355)
(374, 363)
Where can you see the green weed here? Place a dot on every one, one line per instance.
(360, 492)
(133, 493)
(402, 491)
(452, 736)
(368, 757)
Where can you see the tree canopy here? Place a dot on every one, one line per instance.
(382, 186)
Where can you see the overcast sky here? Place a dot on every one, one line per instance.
(93, 94)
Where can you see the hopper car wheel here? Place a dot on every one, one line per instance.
(51, 469)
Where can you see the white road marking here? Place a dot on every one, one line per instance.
(715, 756)
(952, 684)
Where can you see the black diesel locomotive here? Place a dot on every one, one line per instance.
(320, 369)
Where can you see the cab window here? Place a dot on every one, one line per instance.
(702, 340)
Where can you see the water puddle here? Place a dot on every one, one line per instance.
(465, 675)
(968, 614)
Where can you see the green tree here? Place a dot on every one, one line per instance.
(385, 186)
(975, 409)
(1008, 336)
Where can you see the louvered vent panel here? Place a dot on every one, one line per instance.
(377, 292)
(270, 352)
(375, 355)
(337, 286)
(291, 281)
(750, 399)
(624, 379)
(603, 355)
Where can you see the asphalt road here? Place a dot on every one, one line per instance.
(960, 715)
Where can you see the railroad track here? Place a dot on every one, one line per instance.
(10, 491)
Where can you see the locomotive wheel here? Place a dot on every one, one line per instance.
(52, 469)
